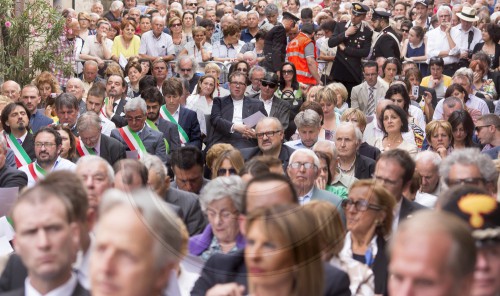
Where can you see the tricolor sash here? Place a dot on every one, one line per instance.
(153, 126)
(84, 150)
(132, 139)
(167, 116)
(20, 154)
(106, 100)
(36, 171)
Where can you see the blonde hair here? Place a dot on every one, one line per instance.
(358, 114)
(339, 88)
(215, 151)
(327, 95)
(235, 158)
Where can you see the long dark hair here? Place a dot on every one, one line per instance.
(462, 117)
(399, 89)
(295, 83)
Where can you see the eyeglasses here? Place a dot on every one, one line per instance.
(298, 165)
(223, 172)
(360, 205)
(242, 69)
(237, 83)
(479, 127)
(386, 181)
(465, 181)
(405, 30)
(267, 134)
(287, 72)
(270, 84)
(224, 214)
(46, 144)
(193, 4)
(262, 6)
(186, 70)
(176, 25)
(131, 119)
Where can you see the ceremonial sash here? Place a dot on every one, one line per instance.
(20, 154)
(84, 150)
(106, 99)
(167, 116)
(153, 126)
(132, 139)
(36, 171)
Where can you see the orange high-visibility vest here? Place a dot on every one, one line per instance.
(295, 55)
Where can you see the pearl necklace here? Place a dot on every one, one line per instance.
(350, 167)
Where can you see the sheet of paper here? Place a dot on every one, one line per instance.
(252, 120)
(8, 197)
(132, 154)
(6, 229)
(122, 60)
(5, 247)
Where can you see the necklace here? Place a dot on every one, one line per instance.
(395, 143)
(350, 167)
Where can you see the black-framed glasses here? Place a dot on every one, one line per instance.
(479, 127)
(242, 69)
(186, 70)
(223, 172)
(134, 119)
(405, 30)
(237, 83)
(465, 181)
(298, 165)
(270, 84)
(267, 134)
(44, 144)
(287, 72)
(193, 4)
(176, 25)
(360, 205)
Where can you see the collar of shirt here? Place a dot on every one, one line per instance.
(307, 197)
(266, 102)
(66, 289)
(98, 145)
(396, 211)
(224, 43)
(23, 137)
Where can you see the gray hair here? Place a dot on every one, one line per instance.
(443, 8)
(90, 63)
(221, 187)
(271, 9)
(350, 125)
(428, 156)
(88, 120)
(18, 87)
(155, 164)
(254, 56)
(253, 12)
(227, 18)
(158, 17)
(328, 144)
(470, 156)
(464, 72)
(136, 104)
(451, 102)
(307, 118)
(268, 120)
(161, 222)
(78, 81)
(116, 5)
(89, 160)
(307, 152)
(183, 59)
(94, 15)
(256, 68)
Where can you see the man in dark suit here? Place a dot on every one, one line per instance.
(185, 119)
(228, 115)
(387, 43)
(92, 142)
(269, 132)
(275, 107)
(229, 271)
(188, 202)
(9, 176)
(187, 165)
(353, 40)
(348, 138)
(395, 170)
(275, 43)
(136, 135)
(154, 100)
(115, 88)
(30, 97)
(15, 122)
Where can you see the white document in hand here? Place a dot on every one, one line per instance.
(253, 119)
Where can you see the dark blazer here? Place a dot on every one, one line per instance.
(189, 122)
(190, 206)
(117, 119)
(78, 291)
(13, 275)
(369, 151)
(12, 177)
(380, 267)
(170, 133)
(228, 268)
(152, 140)
(279, 109)
(39, 120)
(111, 149)
(274, 48)
(407, 208)
(285, 152)
(29, 145)
(386, 46)
(347, 65)
(363, 167)
(221, 121)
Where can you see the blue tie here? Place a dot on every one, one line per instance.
(20, 141)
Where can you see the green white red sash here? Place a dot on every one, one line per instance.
(20, 154)
(84, 150)
(36, 171)
(132, 139)
(153, 126)
(167, 116)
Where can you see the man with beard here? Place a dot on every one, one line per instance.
(115, 88)
(15, 123)
(67, 111)
(48, 144)
(186, 68)
(30, 97)
(154, 101)
(95, 103)
(387, 43)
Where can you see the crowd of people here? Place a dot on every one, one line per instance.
(300, 147)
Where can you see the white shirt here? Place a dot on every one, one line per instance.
(373, 132)
(176, 113)
(193, 51)
(59, 164)
(461, 37)
(418, 115)
(473, 103)
(82, 265)
(426, 199)
(438, 42)
(306, 198)
(237, 111)
(268, 104)
(64, 290)
(107, 125)
(94, 48)
(396, 211)
(156, 47)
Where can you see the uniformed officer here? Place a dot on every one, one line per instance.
(275, 43)
(353, 40)
(387, 43)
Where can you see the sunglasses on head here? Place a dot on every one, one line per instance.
(270, 84)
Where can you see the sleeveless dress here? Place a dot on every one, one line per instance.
(417, 52)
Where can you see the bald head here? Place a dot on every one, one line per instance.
(11, 89)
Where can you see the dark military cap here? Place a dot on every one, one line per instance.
(271, 77)
(287, 15)
(380, 15)
(359, 9)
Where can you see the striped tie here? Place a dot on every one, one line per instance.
(371, 102)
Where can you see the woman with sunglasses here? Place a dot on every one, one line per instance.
(414, 49)
(289, 85)
(228, 163)
(369, 214)
(178, 37)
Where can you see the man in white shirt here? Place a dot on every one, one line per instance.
(427, 165)
(465, 35)
(98, 47)
(157, 44)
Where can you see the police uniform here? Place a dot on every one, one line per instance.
(387, 43)
(347, 67)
